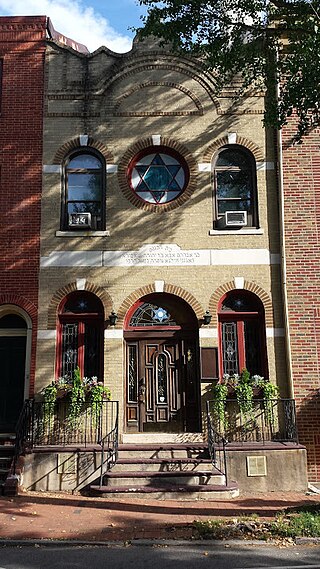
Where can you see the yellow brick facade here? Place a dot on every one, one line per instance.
(123, 103)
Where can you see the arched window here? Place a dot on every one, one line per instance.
(83, 205)
(242, 334)
(235, 188)
(80, 335)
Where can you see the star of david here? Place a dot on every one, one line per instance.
(160, 314)
(158, 178)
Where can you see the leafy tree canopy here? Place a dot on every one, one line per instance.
(262, 41)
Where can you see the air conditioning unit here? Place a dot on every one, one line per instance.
(238, 218)
(80, 220)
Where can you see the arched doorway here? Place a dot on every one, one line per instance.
(15, 339)
(80, 335)
(162, 366)
(242, 334)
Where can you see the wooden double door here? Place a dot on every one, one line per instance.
(162, 385)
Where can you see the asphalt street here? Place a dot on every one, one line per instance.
(159, 556)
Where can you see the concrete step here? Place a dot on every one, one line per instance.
(165, 451)
(161, 438)
(181, 492)
(162, 479)
(161, 464)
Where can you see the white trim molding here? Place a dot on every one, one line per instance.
(112, 168)
(275, 332)
(111, 333)
(208, 332)
(161, 256)
(204, 167)
(265, 165)
(47, 334)
(156, 139)
(51, 169)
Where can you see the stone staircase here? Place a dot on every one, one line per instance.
(7, 441)
(165, 470)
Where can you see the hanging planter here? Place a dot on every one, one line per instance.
(79, 394)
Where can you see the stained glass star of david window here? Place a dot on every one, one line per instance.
(158, 178)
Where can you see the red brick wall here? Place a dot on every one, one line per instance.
(22, 51)
(301, 170)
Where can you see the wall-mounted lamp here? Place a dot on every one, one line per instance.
(207, 317)
(113, 317)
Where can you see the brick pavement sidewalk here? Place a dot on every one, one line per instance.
(35, 515)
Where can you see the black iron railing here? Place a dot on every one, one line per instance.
(268, 420)
(110, 442)
(24, 430)
(37, 427)
(217, 446)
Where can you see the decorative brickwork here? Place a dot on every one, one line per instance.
(155, 113)
(72, 287)
(75, 144)
(241, 140)
(146, 143)
(252, 287)
(149, 289)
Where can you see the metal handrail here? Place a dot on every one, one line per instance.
(217, 447)
(268, 421)
(23, 430)
(111, 442)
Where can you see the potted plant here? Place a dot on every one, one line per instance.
(78, 393)
(245, 387)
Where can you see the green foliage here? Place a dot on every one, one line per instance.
(77, 399)
(262, 42)
(50, 396)
(79, 393)
(306, 524)
(220, 392)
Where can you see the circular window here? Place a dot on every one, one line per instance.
(158, 177)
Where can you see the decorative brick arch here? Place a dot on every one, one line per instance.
(149, 289)
(168, 85)
(75, 144)
(249, 286)
(148, 143)
(20, 301)
(241, 141)
(72, 287)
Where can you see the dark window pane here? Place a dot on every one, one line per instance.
(232, 205)
(233, 158)
(85, 207)
(85, 161)
(230, 348)
(12, 321)
(233, 185)
(84, 187)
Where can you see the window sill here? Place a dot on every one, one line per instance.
(247, 231)
(82, 234)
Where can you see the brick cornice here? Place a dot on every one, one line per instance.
(60, 294)
(148, 143)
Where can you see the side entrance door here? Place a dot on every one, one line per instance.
(12, 357)
(162, 388)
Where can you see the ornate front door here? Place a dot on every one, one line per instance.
(161, 386)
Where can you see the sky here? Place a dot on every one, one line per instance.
(91, 22)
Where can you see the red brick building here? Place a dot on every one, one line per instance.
(301, 214)
(22, 53)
